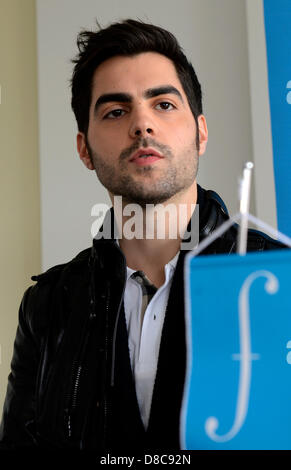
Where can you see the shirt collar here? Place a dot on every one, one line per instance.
(171, 265)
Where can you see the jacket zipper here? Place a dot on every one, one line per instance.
(76, 386)
(111, 369)
(76, 374)
(115, 330)
(72, 398)
(106, 397)
(77, 367)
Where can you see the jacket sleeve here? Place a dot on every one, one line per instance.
(19, 405)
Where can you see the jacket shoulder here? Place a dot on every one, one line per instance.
(262, 241)
(217, 214)
(36, 299)
(53, 273)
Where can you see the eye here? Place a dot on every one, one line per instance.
(114, 114)
(166, 106)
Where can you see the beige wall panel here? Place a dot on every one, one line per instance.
(19, 168)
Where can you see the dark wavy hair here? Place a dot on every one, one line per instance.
(127, 38)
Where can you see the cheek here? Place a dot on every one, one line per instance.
(185, 127)
(183, 136)
(107, 148)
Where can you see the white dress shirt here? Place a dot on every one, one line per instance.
(144, 334)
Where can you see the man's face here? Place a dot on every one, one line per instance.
(139, 107)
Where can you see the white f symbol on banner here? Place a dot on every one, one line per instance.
(246, 357)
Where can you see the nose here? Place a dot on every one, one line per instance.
(141, 124)
(140, 132)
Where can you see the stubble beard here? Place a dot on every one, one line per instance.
(177, 176)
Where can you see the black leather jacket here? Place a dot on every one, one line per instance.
(71, 384)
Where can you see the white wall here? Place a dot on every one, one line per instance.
(260, 114)
(213, 34)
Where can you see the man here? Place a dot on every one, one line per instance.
(99, 355)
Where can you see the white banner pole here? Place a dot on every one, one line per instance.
(245, 189)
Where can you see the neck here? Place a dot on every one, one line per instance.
(152, 236)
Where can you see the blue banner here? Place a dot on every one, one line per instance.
(277, 15)
(238, 381)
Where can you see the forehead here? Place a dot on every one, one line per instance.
(138, 72)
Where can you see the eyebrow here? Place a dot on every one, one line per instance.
(128, 98)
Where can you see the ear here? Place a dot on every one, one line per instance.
(83, 151)
(203, 133)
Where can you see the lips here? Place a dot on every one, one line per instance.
(146, 154)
